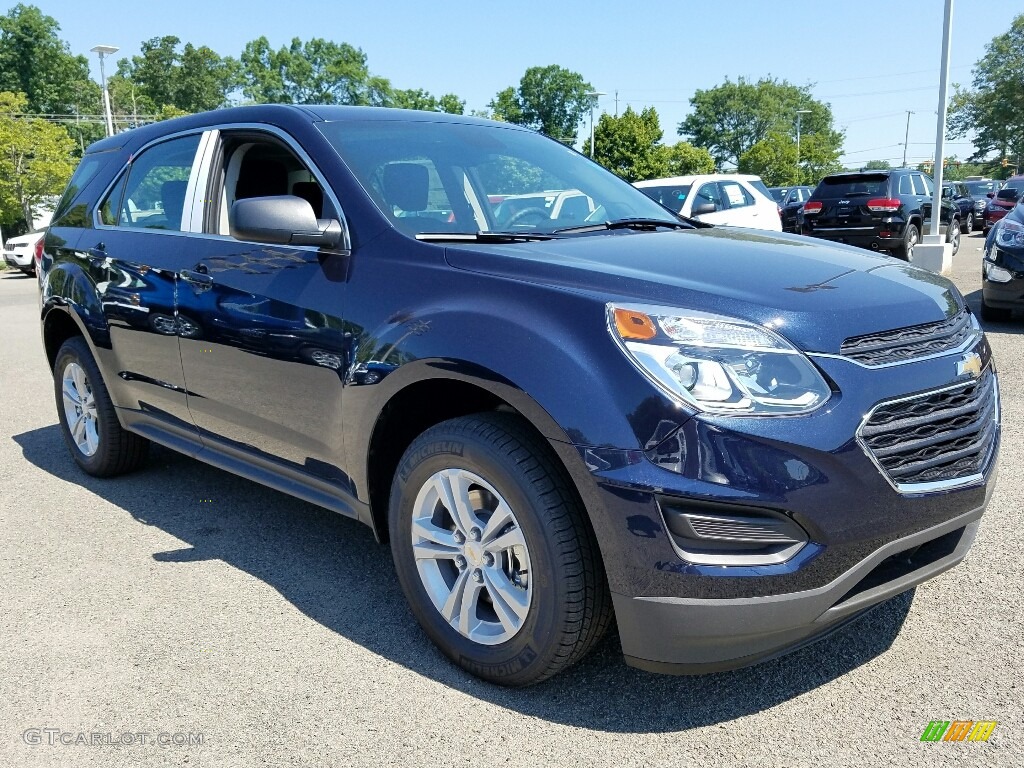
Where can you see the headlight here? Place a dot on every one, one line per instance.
(1010, 235)
(717, 364)
(997, 274)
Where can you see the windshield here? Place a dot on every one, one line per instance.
(980, 188)
(461, 178)
(672, 196)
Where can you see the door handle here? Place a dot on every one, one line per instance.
(198, 280)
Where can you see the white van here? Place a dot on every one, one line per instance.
(733, 199)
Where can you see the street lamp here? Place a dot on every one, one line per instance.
(594, 96)
(798, 113)
(106, 50)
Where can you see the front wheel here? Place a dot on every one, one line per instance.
(493, 552)
(969, 224)
(97, 441)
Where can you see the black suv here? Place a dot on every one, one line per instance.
(958, 193)
(732, 441)
(790, 200)
(880, 210)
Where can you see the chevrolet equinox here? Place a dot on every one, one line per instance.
(731, 441)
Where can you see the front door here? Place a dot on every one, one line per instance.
(266, 368)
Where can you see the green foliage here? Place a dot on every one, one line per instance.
(190, 80)
(994, 108)
(877, 165)
(317, 71)
(729, 119)
(629, 145)
(35, 159)
(420, 99)
(774, 159)
(36, 62)
(684, 159)
(549, 99)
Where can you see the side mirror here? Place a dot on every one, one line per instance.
(702, 208)
(283, 220)
(990, 194)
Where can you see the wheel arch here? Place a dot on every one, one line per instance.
(403, 418)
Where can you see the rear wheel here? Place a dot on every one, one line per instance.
(493, 551)
(953, 235)
(97, 441)
(969, 224)
(911, 237)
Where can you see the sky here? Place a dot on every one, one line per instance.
(870, 60)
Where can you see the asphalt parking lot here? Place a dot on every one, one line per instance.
(188, 617)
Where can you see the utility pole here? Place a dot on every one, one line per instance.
(798, 113)
(616, 103)
(906, 138)
(940, 123)
(594, 96)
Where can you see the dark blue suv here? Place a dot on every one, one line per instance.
(732, 442)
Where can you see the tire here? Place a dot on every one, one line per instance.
(911, 237)
(995, 314)
(953, 235)
(968, 227)
(549, 583)
(100, 446)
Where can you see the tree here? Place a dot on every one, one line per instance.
(729, 119)
(994, 108)
(629, 145)
(877, 165)
(192, 80)
(317, 71)
(35, 159)
(549, 99)
(684, 159)
(420, 99)
(774, 159)
(34, 61)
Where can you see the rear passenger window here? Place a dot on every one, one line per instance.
(906, 188)
(736, 195)
(152, 194)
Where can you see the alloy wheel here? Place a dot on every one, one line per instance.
(471, 556)
(80, 409)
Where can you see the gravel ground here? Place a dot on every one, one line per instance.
(184, 602)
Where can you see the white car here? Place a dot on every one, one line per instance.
(23, 252)
(733, 199)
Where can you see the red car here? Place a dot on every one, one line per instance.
(1002, 201)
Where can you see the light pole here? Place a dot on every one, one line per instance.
(906, 138)
(940, 123)
(798, 113)
(106, 50)
(594, 96)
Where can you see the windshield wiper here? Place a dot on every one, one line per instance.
(484, 237)
(631, 223)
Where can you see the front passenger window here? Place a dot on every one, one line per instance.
(708, 194)
(154, 195)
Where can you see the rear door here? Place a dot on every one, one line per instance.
(140, 242)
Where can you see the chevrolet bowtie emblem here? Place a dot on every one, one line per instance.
(970, 365)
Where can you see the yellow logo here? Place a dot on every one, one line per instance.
(969, 365)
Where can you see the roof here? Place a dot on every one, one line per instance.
(281, 113)
(668, 180)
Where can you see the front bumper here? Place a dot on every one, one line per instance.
(16, 261)
(1007, 295)
(693, 636)
(678, 615)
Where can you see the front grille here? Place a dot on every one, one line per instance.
(937, 437)
(909, 343)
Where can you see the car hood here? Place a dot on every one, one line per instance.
(815, 294)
